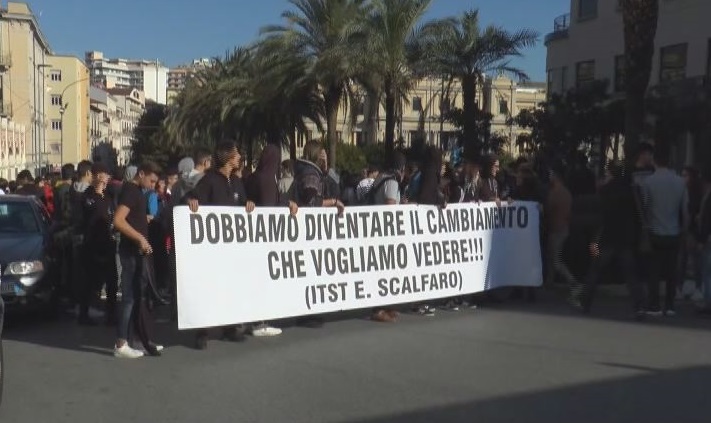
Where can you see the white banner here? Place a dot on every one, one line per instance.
(235, 267)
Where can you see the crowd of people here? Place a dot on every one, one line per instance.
(649, 224)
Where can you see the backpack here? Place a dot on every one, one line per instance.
(369, 198)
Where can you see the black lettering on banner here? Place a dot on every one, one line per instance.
(240, 228)
(400, 221)
(431, 225)
(273, 257)
(277, 226)
(522, 217)
(293, 228)
(359, 290)
(197, 230)
(352, 222)
(310, 227)
(480, 219)
(212, 228)
(228, 233)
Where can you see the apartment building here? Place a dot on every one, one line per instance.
(114, 114)
(68, 111)
(24, 76)
(588, 44)
(178, 76)
(130, 105)
(13, 148)
(149, 77)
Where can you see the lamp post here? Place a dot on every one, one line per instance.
(62, 109)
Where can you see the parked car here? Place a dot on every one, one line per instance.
(25, 253)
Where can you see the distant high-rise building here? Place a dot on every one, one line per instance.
(150, 77)
(179, 76)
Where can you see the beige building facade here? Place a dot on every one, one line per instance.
(588, 44)
(68, 111)
(421, 114)
(13, 149)
(130, 105)
(24, 76)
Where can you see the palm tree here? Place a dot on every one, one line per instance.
(461, 49)
(324, 32)
(640, 28)
(393, 53)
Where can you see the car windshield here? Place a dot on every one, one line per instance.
(17, 218)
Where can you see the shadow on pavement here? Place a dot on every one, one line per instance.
(678, 396)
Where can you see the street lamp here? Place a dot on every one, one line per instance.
(62, 109)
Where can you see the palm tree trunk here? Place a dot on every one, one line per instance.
(373, 109)
(292, 144)
(332, 99)
(640, 28)
(389, 122)
(471, 138)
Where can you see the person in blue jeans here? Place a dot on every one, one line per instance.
(131, 221)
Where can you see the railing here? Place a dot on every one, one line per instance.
(560, 28)
(561, 23)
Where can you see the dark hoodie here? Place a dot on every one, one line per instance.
(309, 184)
(430, 179)
(262, 186)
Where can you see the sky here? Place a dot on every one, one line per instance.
(178, 31)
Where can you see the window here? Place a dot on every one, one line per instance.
(445, 105)
(56, 100)
(619, 73)
(55, 75)
(587, 9)
(503, 107)
(56, 125)
(673, 63)
(18, 217)
(584, 73)
(417, 104)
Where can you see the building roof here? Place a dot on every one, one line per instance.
(22, 12)
(120, 91)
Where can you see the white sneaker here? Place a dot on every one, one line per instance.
(265, 330)
(127, 352)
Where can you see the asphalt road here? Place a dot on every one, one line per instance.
(511, 363)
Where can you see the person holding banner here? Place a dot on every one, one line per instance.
(218, 188)
(263, 190)
(385, 191)
(310, 189)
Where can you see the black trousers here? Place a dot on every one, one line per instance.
(626, 258)
(100, 271)
(664, 267)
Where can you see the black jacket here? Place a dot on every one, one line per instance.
(309, 181)
(214, 189)
(97, 226)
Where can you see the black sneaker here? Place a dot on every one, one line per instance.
(310, 322)
(201, 341)
(233, 334)
(86, 321)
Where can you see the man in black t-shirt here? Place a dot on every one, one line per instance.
(131, 220)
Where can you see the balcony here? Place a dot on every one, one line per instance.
(560, 29)
(5, 62)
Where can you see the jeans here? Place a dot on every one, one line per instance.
(627, 260)
(556, 265)
(664, 267)
(134, 312)
(706, 272)
(131, 269)
(100, 271)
